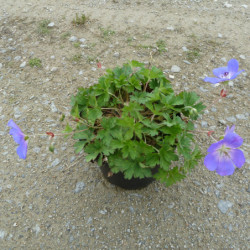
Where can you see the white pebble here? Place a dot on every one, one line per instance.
(53, 107)
(54, 69)
(242, 57)
(241, 117)
(170, 28)
(73, 39)
(117, 54)
(175, 69)
(82, 40)
(23, 64)
(17, 58)
(228, 5)
(51, 24)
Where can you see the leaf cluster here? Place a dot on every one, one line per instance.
(133, 119)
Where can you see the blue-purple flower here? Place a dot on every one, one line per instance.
(19, 138)
(223, 156)
(225, 73)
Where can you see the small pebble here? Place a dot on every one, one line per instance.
(55, 162)
(17, 58)
(220, 35)
(73, 39)
(242, 57)
(53, 69)
(224, 206)
(2, 234)
(23, 64)
(204, 124)
(223, 59)
(187, 62)
(228, 5)
(82, 40)
(170, 28)
(241, 117)
(202, 89)
(184, 48)
(231, 119)
(117, 54)
(79, 186)
(53, 107)
(175, 69)
(51, 24)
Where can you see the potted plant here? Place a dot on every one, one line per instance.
(135, 127)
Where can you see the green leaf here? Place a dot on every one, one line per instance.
(79, 146)
(133, 109)
(140, 97)
(135, 82)
(75, 111)
(190, 98)
(183, 146)
(156, 73)
(152, 159)
(169, 177)
(167, 155)
(135, 64)
(93, 114)
(130, 149)
(67, 130)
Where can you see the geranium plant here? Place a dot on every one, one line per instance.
(133, 121)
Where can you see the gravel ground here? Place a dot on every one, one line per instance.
(58, 201)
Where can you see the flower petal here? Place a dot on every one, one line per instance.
(233, 140)
(219, 72)
(225, 166)
(12, 124)
(22, 150)
(215, 146)
(213, 80)
(229, 130)
(15, 131)
(237, 157)
(233, 66)
(211, 162)
(17, 135)
(235, 75)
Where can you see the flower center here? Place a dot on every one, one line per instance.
(224, 151)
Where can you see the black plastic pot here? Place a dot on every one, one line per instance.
(119, 180)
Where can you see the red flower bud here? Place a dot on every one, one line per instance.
(223, 93)
(76, 120)
(210, 132)
(99, 65)
(50, 134)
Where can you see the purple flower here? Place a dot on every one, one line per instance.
(19, 138)
(225, 73)
(223, 155)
